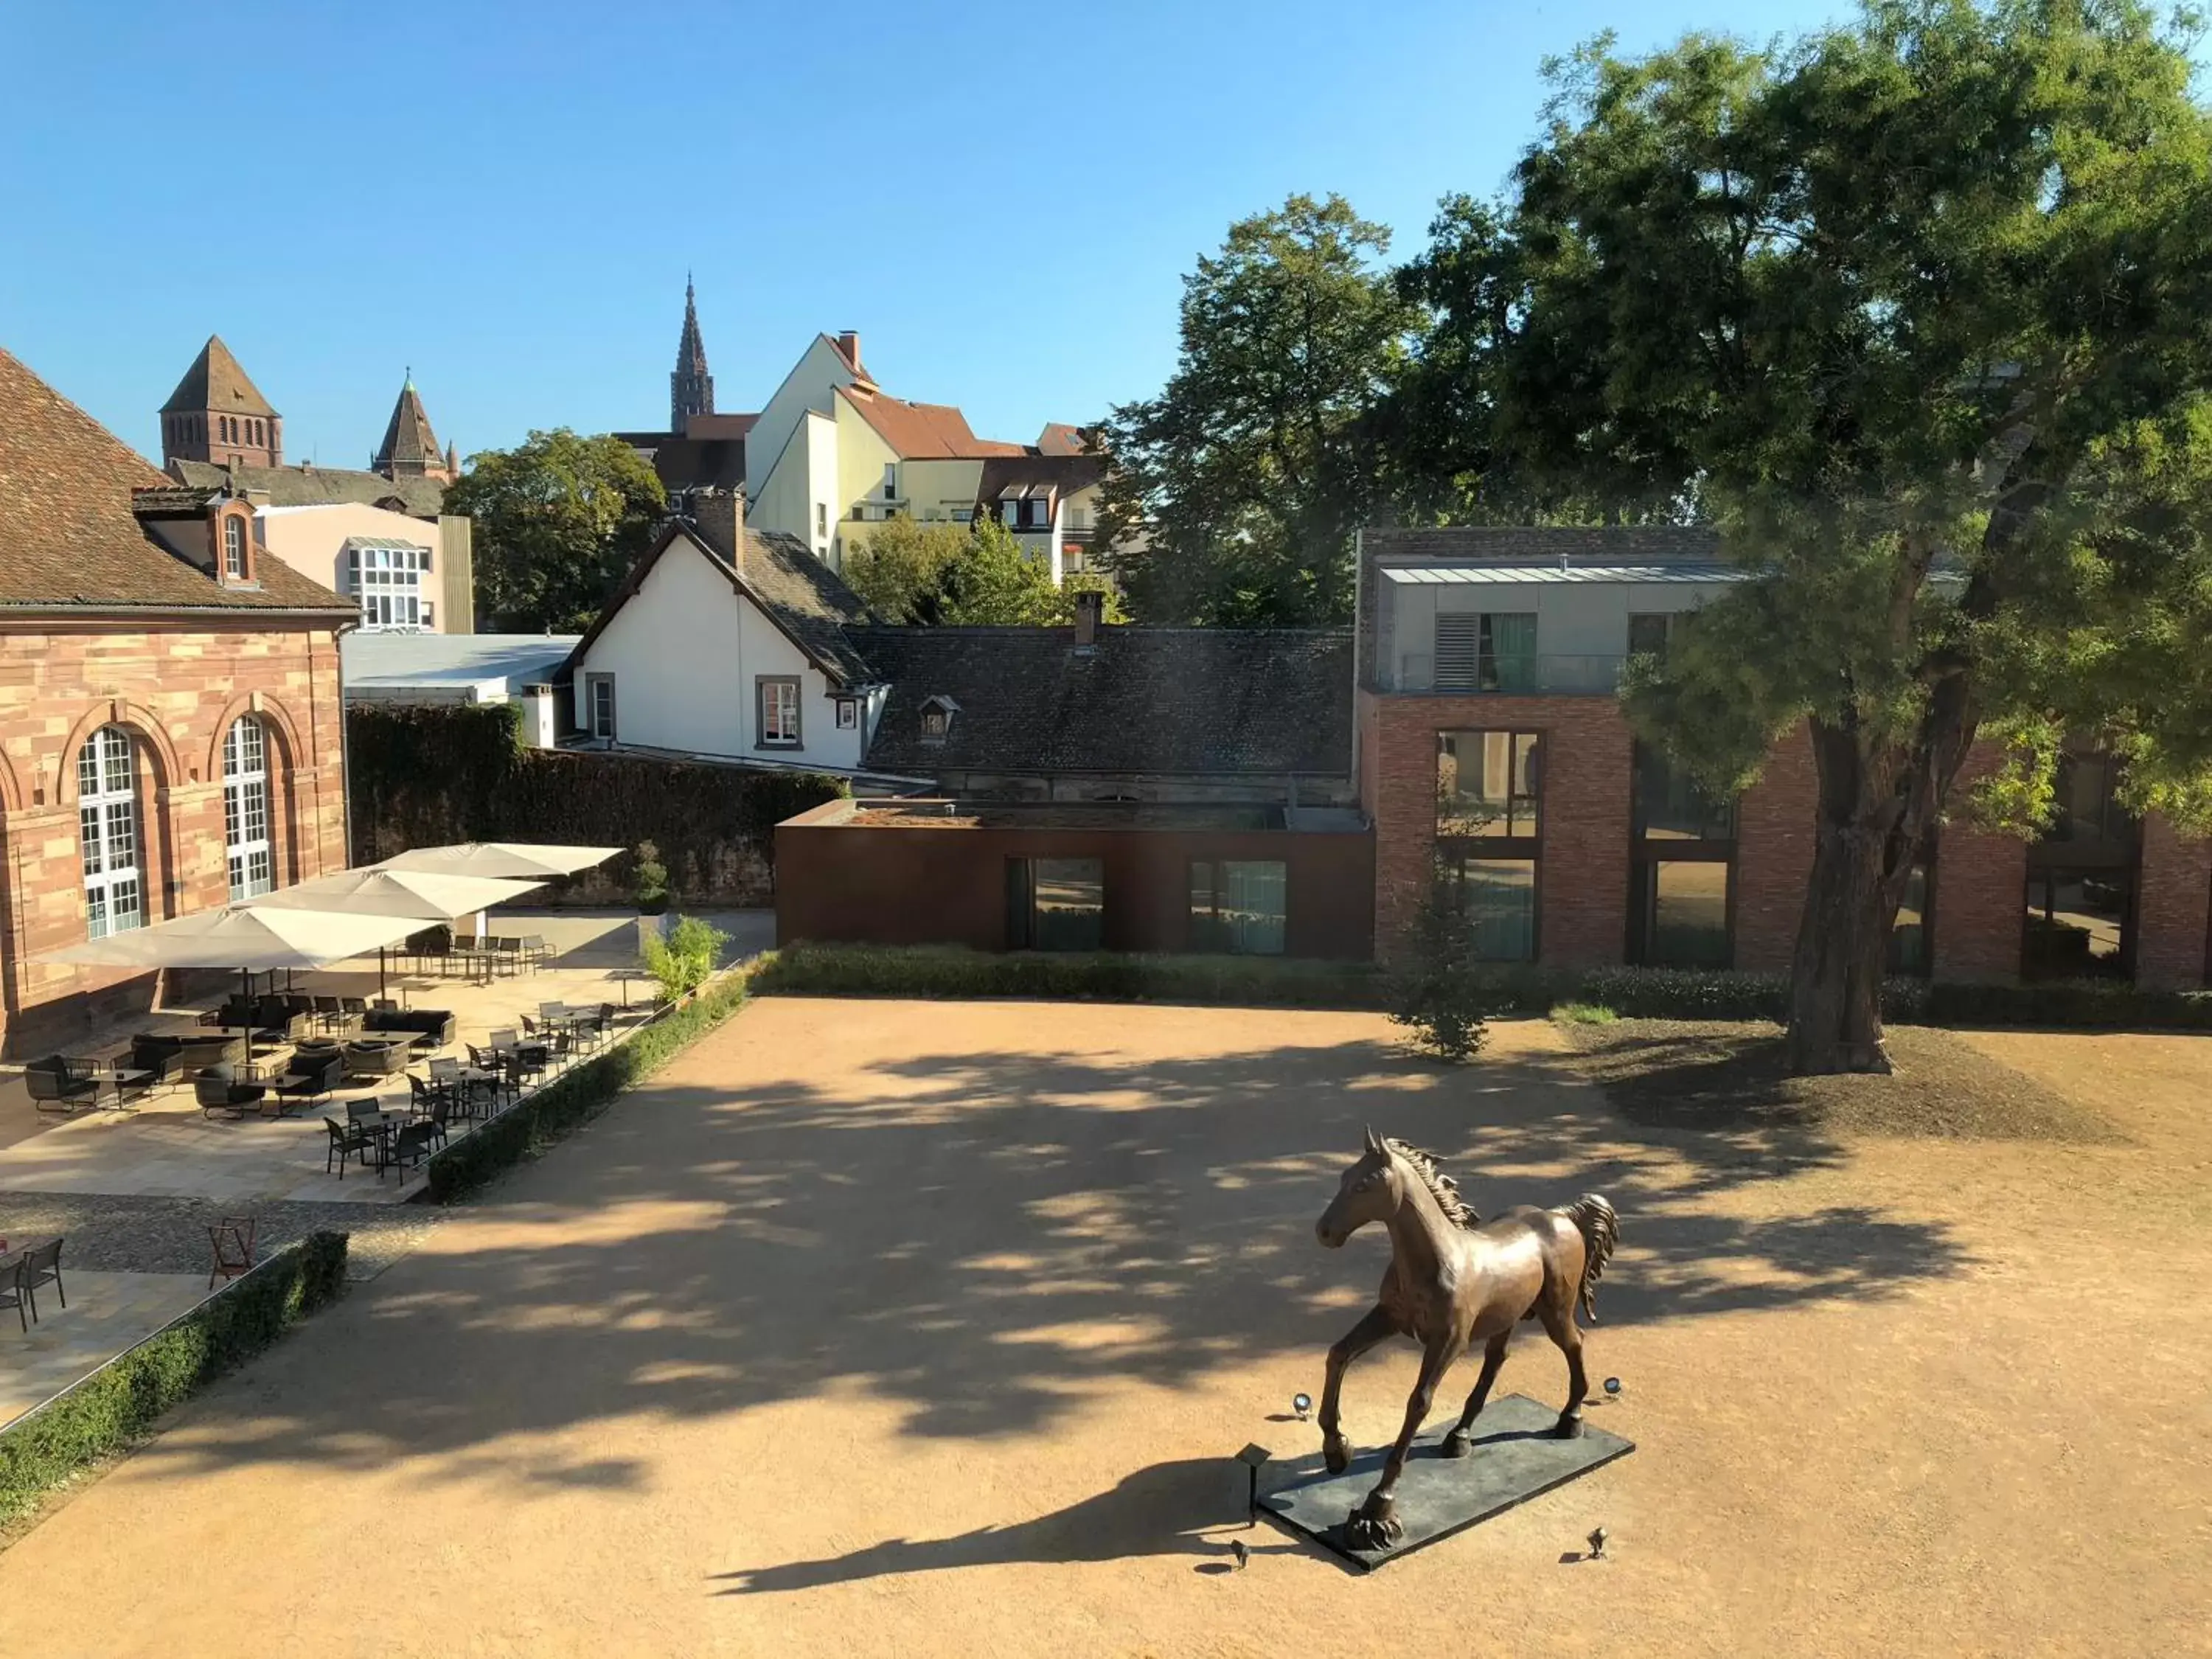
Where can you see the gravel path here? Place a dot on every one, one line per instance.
(169, 1235)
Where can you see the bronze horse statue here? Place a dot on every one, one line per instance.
(1455, 1280)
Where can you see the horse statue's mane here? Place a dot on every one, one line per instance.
(1442, 1187)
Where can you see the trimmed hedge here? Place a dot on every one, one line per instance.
(424, 777)
(953, 971)
(120, 1403)
(946, 971)
(581, 1093)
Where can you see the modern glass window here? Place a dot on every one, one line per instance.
(245, 808)
(1238, 906)
(233, 548)
(1497, 897)
(2087, 806)
(1909, 937)
(599, 706)
(1055, 904)
(1647, 634)
(107, 828)
(890, 481)
(390, 582)
(1670, 807)
(1685, 912)
(1486, 651)
(779, 710)
(2079, 922)
(1488, 783)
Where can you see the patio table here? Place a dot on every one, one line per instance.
(623, 976)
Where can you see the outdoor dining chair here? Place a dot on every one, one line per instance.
(354, 1140)
(12, 1293)
(501, 1069)
(42, 1265)
(232, 1238)
(531, 1059)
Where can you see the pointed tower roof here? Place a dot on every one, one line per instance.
(690, 350)
(215, 382)
(408, 444)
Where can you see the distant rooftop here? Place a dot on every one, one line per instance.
(449, 667)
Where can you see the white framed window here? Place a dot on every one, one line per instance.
(848, 714)
(245, 808)
(890, 481)
(779, 710)
(233, 548)
(599, 706)
(390, 582)
(821, 519)
(107, 826)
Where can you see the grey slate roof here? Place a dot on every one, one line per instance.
(1249, 701)
(317, 486)
(1613, 544)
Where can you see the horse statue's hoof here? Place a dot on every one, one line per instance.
(1335, 1454)
(1458, 1443)
(1373, 1525)
(1567, 1428)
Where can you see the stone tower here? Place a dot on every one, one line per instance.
(409, 449)
(216, 413)
(690, 388)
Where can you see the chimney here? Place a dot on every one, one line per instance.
(721, 516)
(849, 344)
(1089, 611)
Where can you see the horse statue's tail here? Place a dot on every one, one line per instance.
(1601, 1230)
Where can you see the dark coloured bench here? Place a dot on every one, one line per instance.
(175, 1056)
(427, 1028)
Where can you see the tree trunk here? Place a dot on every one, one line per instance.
(1835, 993)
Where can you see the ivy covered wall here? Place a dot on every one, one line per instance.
(421, 777)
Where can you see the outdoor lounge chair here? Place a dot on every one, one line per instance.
(42, 1265)
(427, 1028)
(310, 1076)
(354, 1140)
(174, 1056)
(373, 1058)
(57, 1084)
(221, 1094)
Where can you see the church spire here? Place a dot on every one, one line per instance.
(690, 388)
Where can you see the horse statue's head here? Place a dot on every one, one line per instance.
(1369, 1191)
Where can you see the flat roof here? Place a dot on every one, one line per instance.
(1101, 815)
(450, 662)
(1565, 570)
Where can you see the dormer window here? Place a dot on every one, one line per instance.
(233, 548)
(937, 714)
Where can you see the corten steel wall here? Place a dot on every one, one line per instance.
(1583, 875)
(843, 882)
(2170, 909)
(176, 688)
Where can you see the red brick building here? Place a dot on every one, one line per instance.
(1487, 732)
(170, 719)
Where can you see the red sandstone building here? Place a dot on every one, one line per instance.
(1488, 735)
(170, 722)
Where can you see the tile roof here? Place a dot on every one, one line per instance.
(216, 381)
(1059, 438)
(1217, 701)
(408, 440)
(1640, 543)
(923, 432)
(69, 535)
(793, 588)
(1065, 473)
(318, 486)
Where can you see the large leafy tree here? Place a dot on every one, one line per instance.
(1918, 309)
(952, 575)
(558, 521)
(1236, 491)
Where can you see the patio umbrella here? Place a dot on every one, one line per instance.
(252, 940)
(415, 895)
(500, 859)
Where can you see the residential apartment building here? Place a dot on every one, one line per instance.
(170, 728)
(1490, 740)
(379, 536)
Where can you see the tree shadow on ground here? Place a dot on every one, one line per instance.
(988, 1239)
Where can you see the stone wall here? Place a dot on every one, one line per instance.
(176, 687)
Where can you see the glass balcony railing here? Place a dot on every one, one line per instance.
(1538, 674)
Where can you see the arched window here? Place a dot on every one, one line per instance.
(107, 823)
(233, 548)
(245, 808)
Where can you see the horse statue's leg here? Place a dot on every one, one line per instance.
(1460, 1441)
(1373, 1525)
(1559, 1321)
(1371, 1329)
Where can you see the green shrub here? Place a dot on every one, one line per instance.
(947, 971)
(1436, 987)
(1585, 1014)
(684, 959)
(649, 880)
(2085, 1003)
(581, 1093)
(118, 1403)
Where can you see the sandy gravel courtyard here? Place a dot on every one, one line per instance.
(923, 1329)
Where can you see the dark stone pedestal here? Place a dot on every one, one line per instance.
(1514, 1459)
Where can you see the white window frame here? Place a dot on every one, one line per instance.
(233, 547)
(391, 583)
(777, 700)
(593, 684)
(108, 833)
(247, 849)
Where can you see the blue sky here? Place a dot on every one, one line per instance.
(1001, 198)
